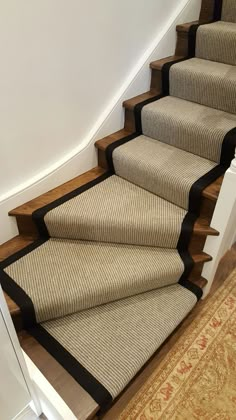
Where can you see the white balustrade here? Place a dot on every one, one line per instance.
(224, 220)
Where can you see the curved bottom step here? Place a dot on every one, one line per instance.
(104, 348)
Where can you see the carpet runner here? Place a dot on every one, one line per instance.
(197, 377)
(107, 282)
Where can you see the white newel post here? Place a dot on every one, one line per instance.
(224, 220)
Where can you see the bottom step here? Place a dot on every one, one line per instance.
(103, 348)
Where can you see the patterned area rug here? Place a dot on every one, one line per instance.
(197, 380)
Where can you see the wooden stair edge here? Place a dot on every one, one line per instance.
(130, 103)
(58, 192)
(184, 27)
(103, 143)
(202, 228)
(201, 282)
(158, 64)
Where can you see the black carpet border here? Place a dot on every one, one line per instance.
(192, 37)
(218, 9)
(138, 131)
(166, 74)
(97, 391)
(13, 290)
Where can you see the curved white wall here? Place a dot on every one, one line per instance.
(64, 66)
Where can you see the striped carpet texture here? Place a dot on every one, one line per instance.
(205, 82)
(175, 121)
(134, 329)
(118, 211)
(146, 162)
(91, 274)
(216, 42)
(229, 11)
(109, 278)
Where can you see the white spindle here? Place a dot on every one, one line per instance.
(224, 220)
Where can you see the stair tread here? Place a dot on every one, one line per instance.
(216, 42)
(202, 227)
(130, 103)
(19, 242)
(146, 162)
(184, 27)
(158, 64)
(212, 84)
(201, 282)
(58, 192)
(100, 214)
(187, 125)
(106, 141)
(138, 320)
(96, 273)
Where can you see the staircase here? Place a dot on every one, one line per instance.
(109, 264)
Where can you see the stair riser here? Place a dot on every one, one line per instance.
(196, 272)
(156, 79)
(207, 10)
(182, 43)
(130, 120)
(197, 244)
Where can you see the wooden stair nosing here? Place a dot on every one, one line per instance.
(158, 64)
(27, 226)
(201, 282)
(130, 103)
(184, 27)
(58, 192)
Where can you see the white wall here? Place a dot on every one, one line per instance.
(66, 66)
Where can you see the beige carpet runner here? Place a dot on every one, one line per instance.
(107, 282)
(196, 380)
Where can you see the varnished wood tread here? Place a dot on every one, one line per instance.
(130, 103)
(158, 64)
(184, 27)
(202, 228)
(38, 202)
(106, 141)
(201, 282)
(212, 191)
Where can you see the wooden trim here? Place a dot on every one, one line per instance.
(60, 191)
(207, 10)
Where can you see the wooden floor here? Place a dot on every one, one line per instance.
(227, 265)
